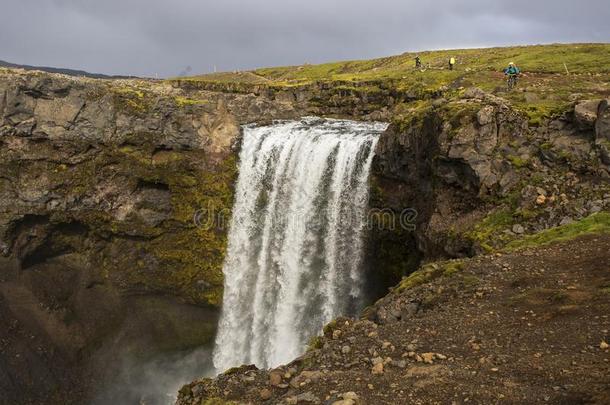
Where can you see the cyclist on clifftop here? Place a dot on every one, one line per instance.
(512, 71)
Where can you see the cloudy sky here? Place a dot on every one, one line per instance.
(166, 37)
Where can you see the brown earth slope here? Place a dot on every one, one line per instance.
(526, 327)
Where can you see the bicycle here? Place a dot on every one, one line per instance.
(512, 81)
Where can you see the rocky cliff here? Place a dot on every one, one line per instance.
(479, 175)
(115, 197)
(114, 202)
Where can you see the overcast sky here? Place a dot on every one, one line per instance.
(164, 37)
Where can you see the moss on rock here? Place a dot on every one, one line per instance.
(594, 224)
(429, 272)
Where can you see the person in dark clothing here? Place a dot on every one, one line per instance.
(417, 62)
(451, 63)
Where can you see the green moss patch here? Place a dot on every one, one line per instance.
(185, 102)
(594, 224)
(430, 272)
(132, 100)
(486, 232)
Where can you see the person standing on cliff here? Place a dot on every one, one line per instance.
(451, 63)
(417, 62)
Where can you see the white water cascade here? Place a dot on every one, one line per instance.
(294, 259)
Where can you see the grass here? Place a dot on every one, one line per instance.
(579, 58)
(488, 229)
(545, 90)
(131, 100)
(473, 64)
(184, 102)
(594, 224)
(428, 273)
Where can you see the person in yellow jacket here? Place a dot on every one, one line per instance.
(451, 63)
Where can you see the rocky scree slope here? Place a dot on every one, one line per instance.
(527, 326)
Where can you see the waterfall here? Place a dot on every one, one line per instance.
(294, 258)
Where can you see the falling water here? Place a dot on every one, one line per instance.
(295, 243)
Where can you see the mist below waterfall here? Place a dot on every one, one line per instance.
(295, 253)
(155, 381)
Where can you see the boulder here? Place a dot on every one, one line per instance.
(585, 113)
(265, 394)
(486, 115)
(518, 229)
(377, 368)
(275, 378)
(604, 150)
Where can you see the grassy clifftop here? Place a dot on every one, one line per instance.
(579, 58)
(591, 58)
(554, 75)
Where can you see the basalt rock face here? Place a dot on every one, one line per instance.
(114, 201)
(367, 100)
(474, 171)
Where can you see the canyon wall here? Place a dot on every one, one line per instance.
(101, 250)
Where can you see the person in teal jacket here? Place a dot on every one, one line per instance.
(511, 70)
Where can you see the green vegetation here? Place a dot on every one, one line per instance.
(131, 100)
(184, 102)
(593, 224)
(539, 296)
(490, 228)
(517, 161)
(489, 233)
(429, 272)
(585, 58)
(209, 190)
(544, 90)
(315, 342)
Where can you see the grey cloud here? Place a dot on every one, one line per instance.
(148, 37)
